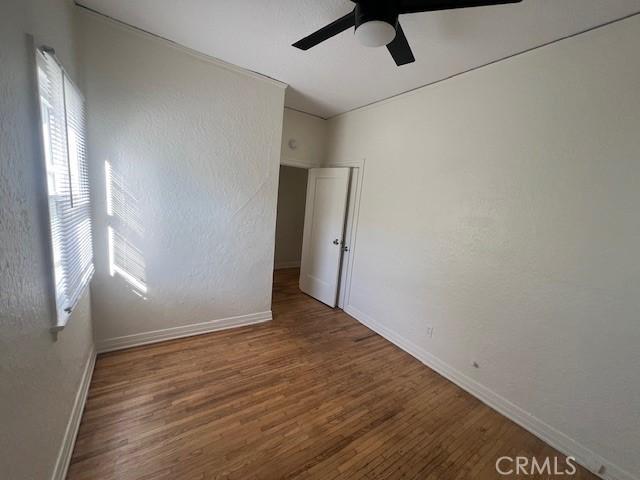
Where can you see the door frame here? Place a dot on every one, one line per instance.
(351, 224)
(351, 227)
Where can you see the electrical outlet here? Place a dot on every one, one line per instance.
(430, 332)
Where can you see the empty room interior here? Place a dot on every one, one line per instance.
(348, 239)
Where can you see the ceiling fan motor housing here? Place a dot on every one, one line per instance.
(376, 22)
(367, 11)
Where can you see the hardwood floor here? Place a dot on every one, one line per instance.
(312, 394)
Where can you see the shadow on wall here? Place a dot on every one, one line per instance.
(125, 232)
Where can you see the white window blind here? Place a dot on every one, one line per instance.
(63, 119)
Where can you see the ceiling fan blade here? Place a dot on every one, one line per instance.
(399, 48)
(334, 28)
(415, 6)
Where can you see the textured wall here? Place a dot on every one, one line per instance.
(194, 155)
(309, 135)
(501, 208)
(39, 374)
(292, 195)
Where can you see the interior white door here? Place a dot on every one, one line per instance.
(324, 218)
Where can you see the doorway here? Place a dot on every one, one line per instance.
(292, 193)
(316, 228)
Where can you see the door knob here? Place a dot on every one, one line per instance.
(336, 242)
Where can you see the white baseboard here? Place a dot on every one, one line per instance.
(69, 440)
(558, 440)
(292, 264)
(137, 339)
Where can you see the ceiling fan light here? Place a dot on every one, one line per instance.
(375, 33)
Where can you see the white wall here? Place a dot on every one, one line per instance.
(501, 208)
(194, 149)
(292, 196)
(39, 374)
(309, 134)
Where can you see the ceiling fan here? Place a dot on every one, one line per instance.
(376, 23)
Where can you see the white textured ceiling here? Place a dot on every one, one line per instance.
(340, 75)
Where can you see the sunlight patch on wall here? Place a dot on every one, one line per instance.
(126, 260)
(125, 232)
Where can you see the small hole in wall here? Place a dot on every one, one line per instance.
(293, 144)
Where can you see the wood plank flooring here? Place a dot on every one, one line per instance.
(311, 395)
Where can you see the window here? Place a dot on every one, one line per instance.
(62, 113)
